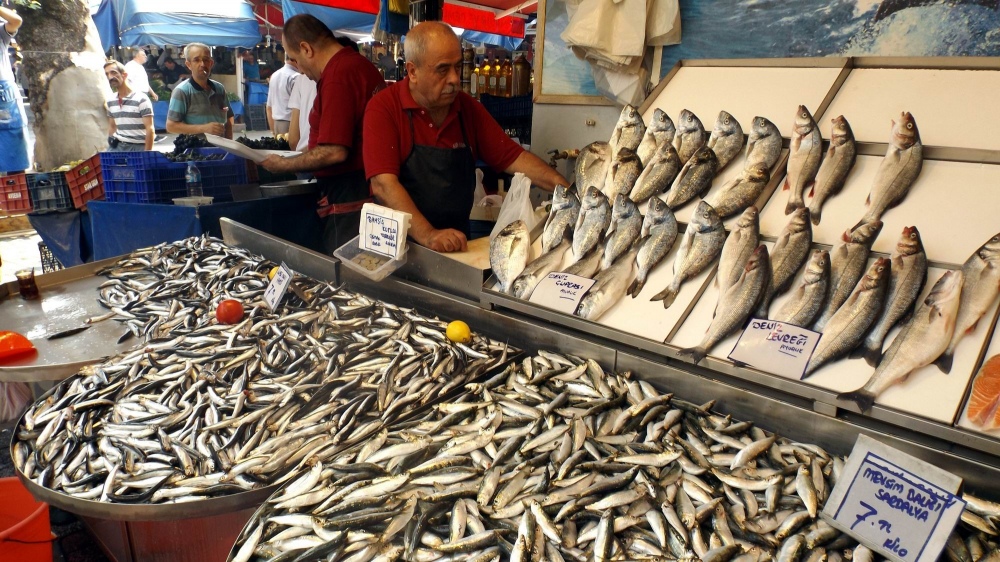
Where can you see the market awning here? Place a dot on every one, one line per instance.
(104, 19)
(481, 16)
(221, 23)
(269, 16)
(334, 18)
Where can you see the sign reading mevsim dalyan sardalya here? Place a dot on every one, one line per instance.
(895, 504)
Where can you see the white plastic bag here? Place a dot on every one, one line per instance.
(516, 205)
(480, 190)
(14, 398)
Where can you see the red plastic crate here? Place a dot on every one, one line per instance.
(14, 197)
(85, 182)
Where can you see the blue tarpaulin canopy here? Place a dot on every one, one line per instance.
(104, 20)
(219, 23)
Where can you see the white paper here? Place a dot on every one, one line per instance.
(383, 230)
(561, 291)
(244, 151)
(777, 347)
(895, 504)
(277, 287)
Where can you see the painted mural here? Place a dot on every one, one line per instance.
(564, 74)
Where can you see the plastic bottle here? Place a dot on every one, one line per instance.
(506, 78)
(490, 86)
(474, 82)
(193, 179)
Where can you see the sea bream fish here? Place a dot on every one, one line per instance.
(807, 299)
(562, 217)
(790, 251)
(980, 287)
(909, 273)
(622, 173)
(741, 192)
(626, 223)
(739, 246)
(659, 232)
(700, 247)
(848, 327)
(736, 305)
(898, 170)
(763, 143)
(690, 135)
(538, 269)
(837, 164)
(628, 131)
(510, 251)
(694, 179)
(659, 131)
(592, 222)
(848, 261)
(659, 173)
(804, 154)
(609, 286)
(592, 165)
(726, 139)
(921, 340)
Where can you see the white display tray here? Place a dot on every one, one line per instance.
(244, 151)
(962, 421)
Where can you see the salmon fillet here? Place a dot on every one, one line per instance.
(985, 392)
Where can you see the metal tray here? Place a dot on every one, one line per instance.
(294, 187)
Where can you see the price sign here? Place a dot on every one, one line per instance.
(780, 348)
(383, 230)
(561, 291)
(277, 287)
(895, 504)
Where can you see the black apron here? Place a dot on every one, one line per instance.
(341, 199)
(441, 181)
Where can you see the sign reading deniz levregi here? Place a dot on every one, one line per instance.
(780, 348)
(561, 291)
(383, 230)
(895, 504)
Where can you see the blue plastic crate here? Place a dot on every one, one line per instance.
(49, 192)
(149, 177)
(257, 93)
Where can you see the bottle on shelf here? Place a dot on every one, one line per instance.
(484, 77)
(474, 82)
(521, 77)
(493, 72)
(193, 179)
(506, 78)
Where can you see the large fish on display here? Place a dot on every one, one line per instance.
(808, 298)
(741, 192)
(699, 249)
(588, 265)
(694, 179)
(659, 231)
(832, 175)
(622, 173)
(848, 327)
(592, 222)
(981, 285)
(628, 131)
(510, 251)
(804, 154)
(848, 261)
(763, 143)
(909, 273)
(609, 286)
(659, 173)
(985, 395)
(592, 165)
(898, 170)
(690, 135)
(727, 138)
(626, 223)
(538, 269)
(736, 305)
(562, 217)
(789, 253)
(660, 130)
(919, 342)
(739, 246)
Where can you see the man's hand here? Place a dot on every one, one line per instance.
(217, 129)
(447, 240)
(273, 163)
(153, 96)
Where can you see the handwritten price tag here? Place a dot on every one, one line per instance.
(780, 348)
(895, 504)
(561, 291)
(383, 230)
(277, 287)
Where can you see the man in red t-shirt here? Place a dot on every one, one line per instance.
(345, 81)
(427, 135)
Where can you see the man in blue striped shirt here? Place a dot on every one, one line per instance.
(199, 105)
(130, 113)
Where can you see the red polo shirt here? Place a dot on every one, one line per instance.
(347, 84)
(387, 128)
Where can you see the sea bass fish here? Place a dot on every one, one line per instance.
(592, 222)
(848, 261)
(741, 192)
(659, 231)
(690, 135)
(628, 131)
(509, 253)
(562, 217)
(849, 325)
(832, 175)
(736, 304)
(622, 173)
(919, 342)
(609, 286)
(660, 130)
(980, 287)
(789, 253)
(809, 296)
(804, 155)
(659, 173)
(592, 165)
(763, 143)
(727, 138)
(909, 273)
(739, 246)
(626, 223)
(694, 179)
(699, 248)
(538, 269)
(898, 170)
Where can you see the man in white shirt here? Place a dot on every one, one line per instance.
(278, 92)
(300, 104)
(137, 74)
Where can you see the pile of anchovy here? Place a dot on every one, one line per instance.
(207, 409)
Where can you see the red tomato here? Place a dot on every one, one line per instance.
(14, 345)
(229, 311)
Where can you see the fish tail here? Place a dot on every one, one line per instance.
(863, 398)
(667, 295)
(636, 287)
(871, 352)
(945, 361)
(815, 213)
(696, 353)
(791, 206)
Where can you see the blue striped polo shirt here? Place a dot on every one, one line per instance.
(194, 105)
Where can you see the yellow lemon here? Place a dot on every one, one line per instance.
(459, 332)
(272, 273)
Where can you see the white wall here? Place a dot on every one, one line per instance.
(559, 127)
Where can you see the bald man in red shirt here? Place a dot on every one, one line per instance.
(429, 135)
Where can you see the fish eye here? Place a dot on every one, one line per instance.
(913, 235)
(880, 268)
(726, 121)
(804, 115)
(909, 125)
(761, 122)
